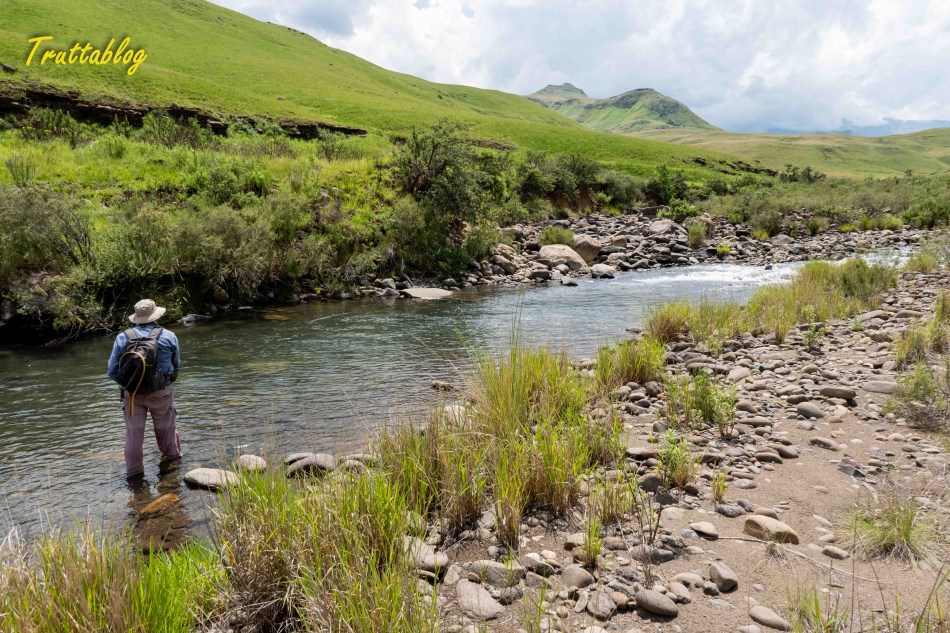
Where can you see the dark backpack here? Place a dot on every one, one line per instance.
(138, 365)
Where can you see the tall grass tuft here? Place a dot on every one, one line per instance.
(808, 615)
(668, 321)
(81, 581)
(893, 526)
(639, 360)
(524, 441)
(331, 555)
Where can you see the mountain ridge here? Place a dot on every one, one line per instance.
(633, 111)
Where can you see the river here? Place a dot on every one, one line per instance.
(316, 377)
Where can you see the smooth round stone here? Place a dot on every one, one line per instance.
(656, 603)
(211, 478)
(705, 528)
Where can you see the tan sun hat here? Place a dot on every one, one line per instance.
(146, 311)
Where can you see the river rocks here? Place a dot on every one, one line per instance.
(656, 603)
(845, 393)
(809, 410)
(251, 463)
(601, 605)
(739, 373)
(562, 252)
(723, 577)
(767, 617)
(576, 577)
(661, 227)
(769, 529)
(880, 386)
(426, 293)
(705, 528)
(476, 602)
(834, 552)
(166, 501)
(210, 478)
(424, 557)
(312, 464)
(602, 271)
(587, 247)
(824, 442)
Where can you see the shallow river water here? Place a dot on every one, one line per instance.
(316, 377)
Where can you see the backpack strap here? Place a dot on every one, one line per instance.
(130, 334)
(155, 333)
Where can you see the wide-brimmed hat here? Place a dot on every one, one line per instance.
(146, 311)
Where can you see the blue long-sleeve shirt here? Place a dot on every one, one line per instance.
(168, 355)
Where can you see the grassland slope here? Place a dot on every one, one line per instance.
(926, 152)
(205, 56)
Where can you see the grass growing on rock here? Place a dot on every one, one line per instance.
(556, 235)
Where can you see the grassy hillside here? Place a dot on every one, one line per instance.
(926, 152)
(633, 111)
(205, 56)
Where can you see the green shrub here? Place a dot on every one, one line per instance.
(696, 232)
(480, 239)
(42, 231)
(22, 169)
(767, 221)
(815, 225)
(675, 462)
(556, 235)
(921, 262)
(723, 249)
(46, 125)
(666, 186)
(847, 228)
(761, 235)
(679, 211)
(697, 401)
(929, 212)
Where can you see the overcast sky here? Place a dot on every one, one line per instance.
(745, 65)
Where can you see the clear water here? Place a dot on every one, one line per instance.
(317, 377)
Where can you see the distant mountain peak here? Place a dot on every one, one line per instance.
(552, 93)
(633, 111)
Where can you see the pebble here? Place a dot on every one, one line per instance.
(723, 577)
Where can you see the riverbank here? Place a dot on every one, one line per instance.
(755, 487)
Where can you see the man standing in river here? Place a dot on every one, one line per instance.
(152, 352)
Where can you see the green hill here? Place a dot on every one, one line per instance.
(202, 55)
(926, 152)
(633, 111)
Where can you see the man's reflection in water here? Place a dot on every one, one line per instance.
(159, 519)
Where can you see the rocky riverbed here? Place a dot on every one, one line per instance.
(812, 439)
(605, 244)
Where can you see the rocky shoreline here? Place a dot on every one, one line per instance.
(813, 437)
(605, 244)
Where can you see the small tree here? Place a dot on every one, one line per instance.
(329, 144)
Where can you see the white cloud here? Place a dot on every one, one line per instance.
(742, 64)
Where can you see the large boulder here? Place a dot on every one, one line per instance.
(587, 247)
(559, 251)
